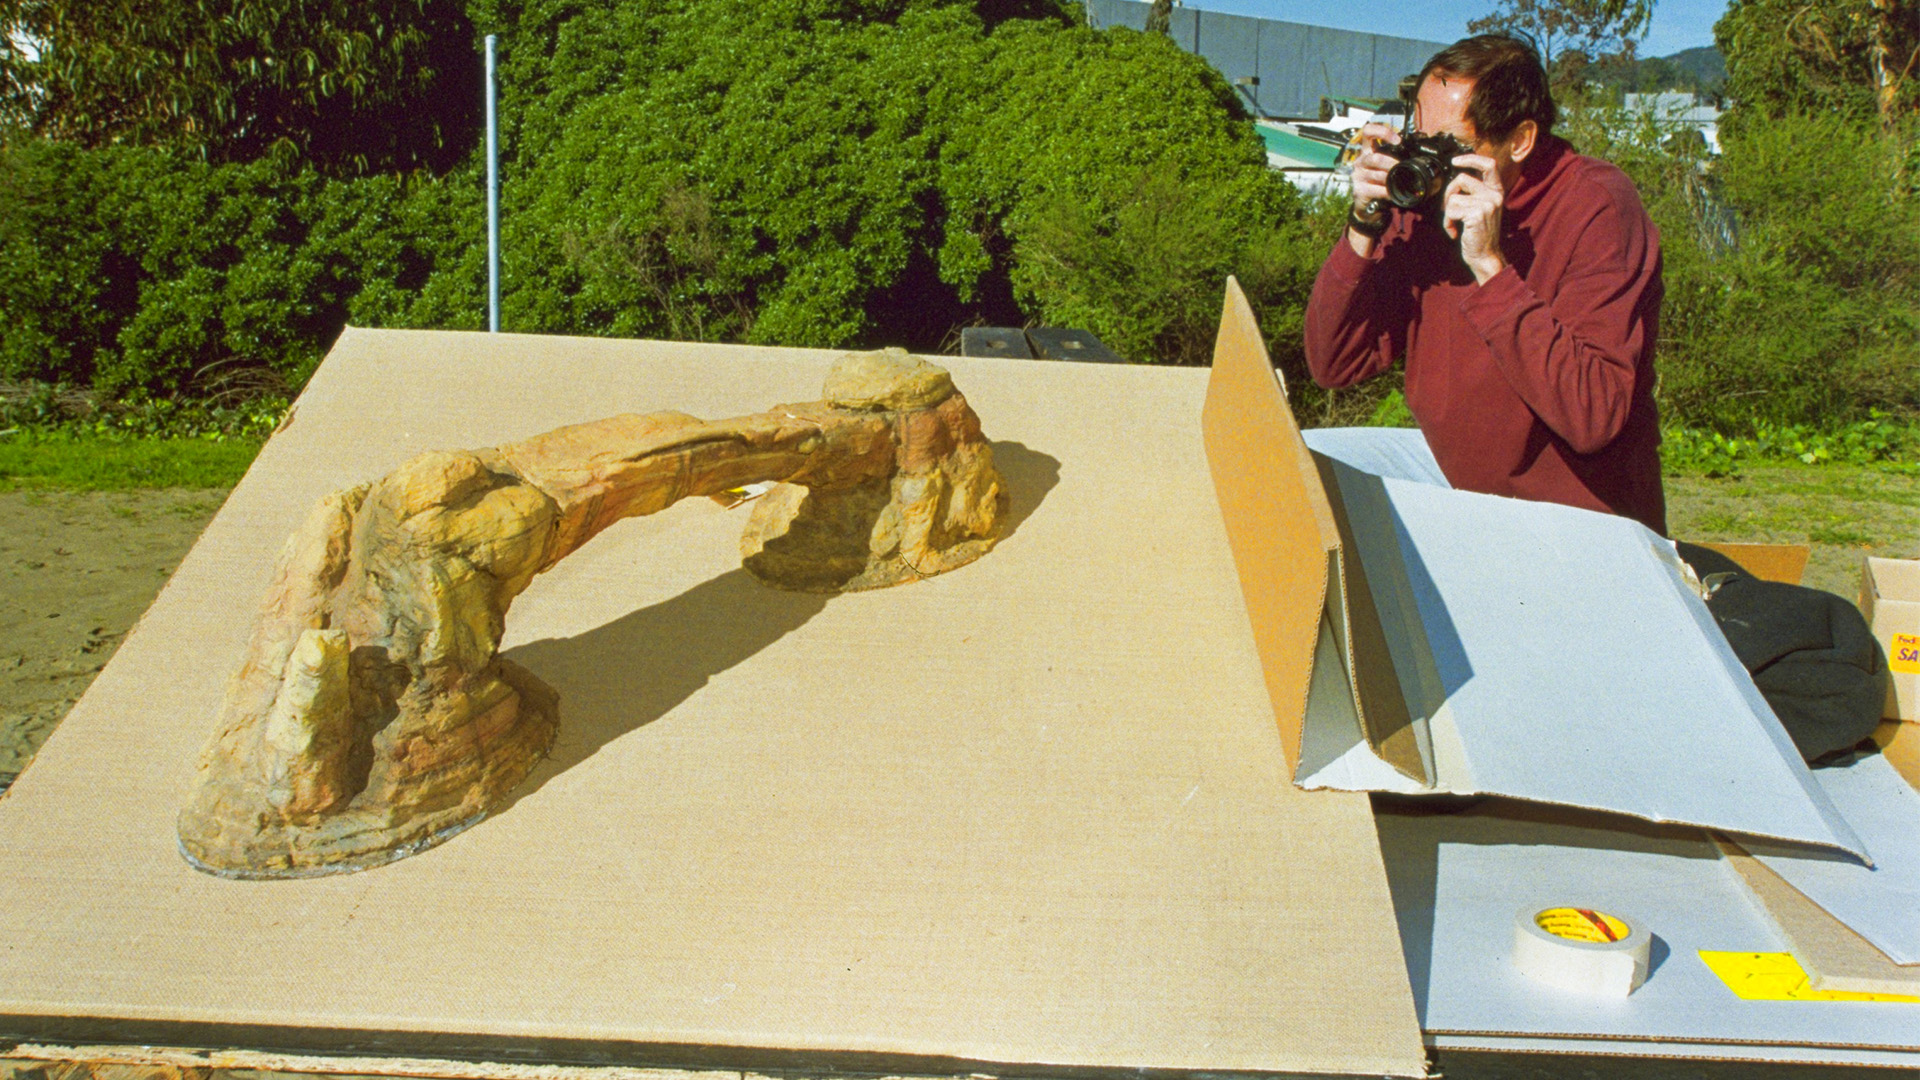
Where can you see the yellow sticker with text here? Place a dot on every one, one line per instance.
(1903, 653)
(1777, 976)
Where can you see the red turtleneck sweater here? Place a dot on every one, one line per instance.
(1539, 383)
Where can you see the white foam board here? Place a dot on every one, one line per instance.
(1557, 655)
(1400, 453)
(1880, 902)
(1459, 879)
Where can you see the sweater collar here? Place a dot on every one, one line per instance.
(1549, 159)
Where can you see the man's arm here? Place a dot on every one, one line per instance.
(1356, 320)
(1575, 361)
(1357, 317)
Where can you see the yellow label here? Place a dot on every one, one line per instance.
(1581, 924)
(1903, 653)
(1777, 976)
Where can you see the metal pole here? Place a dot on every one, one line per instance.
(493, 201)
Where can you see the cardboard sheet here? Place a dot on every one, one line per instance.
(1031, 812)
(1880, 902)
(1537, 651)
(1899, 743)
(1769, 562)
(1305, 594)
(1459, 879)
(1833, 956)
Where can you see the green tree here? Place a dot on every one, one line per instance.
(1116, 181)
(835, 173)
(1856, 58)
(346, 85)
(1160, 17)
(1784, 304)
(1573, 34)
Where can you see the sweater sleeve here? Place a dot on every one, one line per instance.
(1574, 360)
(1357, 317)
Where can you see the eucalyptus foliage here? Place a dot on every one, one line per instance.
(347, 86)
(1857, 58)
(1571, 34)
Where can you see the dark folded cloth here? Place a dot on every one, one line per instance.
(1810, 653)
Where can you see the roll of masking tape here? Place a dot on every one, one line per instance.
(1581, 949)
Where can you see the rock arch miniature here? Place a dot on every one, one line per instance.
(373, 716)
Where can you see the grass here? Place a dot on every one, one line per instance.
(1844, 512)
(68, 461)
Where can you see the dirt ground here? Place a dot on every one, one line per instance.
(76, 570)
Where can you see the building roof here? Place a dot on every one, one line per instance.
(1288, 150)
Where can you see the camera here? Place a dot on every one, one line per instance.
(1425, 166)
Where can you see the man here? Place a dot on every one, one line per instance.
(1525, 298)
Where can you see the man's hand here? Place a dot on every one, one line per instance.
(1473, 204)
(1370, 182)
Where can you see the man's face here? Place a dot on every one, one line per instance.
(1442, 107)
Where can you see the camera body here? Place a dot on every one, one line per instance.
(1424, 168)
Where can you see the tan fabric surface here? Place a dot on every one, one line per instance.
(1033, 811)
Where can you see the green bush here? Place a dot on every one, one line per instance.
(829, 173)
(790, 174)
(142, 273)
(1792, 269)
(765, 183)
(1881, 442)
(1116, 183)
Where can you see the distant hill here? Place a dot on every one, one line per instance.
(1704, 63)
(1702, 70)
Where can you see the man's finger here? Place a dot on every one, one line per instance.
(1375, 134)
(1452, 215)
(1482, 167)
(1465, 184)
(1376, 162)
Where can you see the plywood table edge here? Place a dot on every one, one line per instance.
(1445, 1050)
(1576, 1037)
(477, 1068)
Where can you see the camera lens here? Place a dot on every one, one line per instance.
(1414, 181)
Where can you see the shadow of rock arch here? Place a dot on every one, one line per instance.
(619, 677)
(1030, 475)
(626, 674)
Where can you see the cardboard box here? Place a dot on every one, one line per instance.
(1890, 599)
(1785, 563)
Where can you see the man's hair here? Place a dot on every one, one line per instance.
(1509, 83)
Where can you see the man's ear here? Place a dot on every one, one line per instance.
(1524, 138)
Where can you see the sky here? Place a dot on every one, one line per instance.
(1677, 24)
